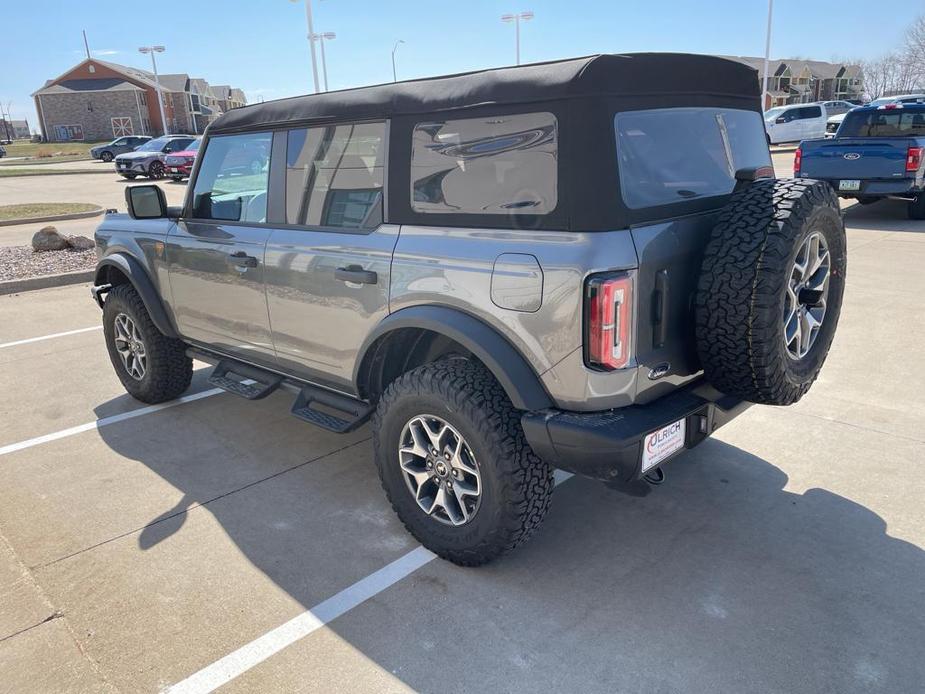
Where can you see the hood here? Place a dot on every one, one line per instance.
(136, 155)
(837, 119)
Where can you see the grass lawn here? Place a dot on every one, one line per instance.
(48, 151)
(43, 209)
(10, 171)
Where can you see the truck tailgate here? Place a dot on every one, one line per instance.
(856, 158)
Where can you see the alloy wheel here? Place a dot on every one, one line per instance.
(440, 470)
(807, 290)
(130, 346)
(156, 170)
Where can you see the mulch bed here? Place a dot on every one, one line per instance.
(19, 262)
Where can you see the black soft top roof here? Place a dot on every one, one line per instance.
(644, 75)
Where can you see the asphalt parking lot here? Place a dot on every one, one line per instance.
(213, 542)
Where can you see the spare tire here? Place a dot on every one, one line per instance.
(770, 290)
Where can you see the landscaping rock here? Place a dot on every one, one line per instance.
(80, 243)
(48, 239)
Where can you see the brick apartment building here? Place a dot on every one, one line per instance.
(98, 100)
(793, 81)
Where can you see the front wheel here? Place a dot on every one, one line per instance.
(156, 170)
(106, 157)
(455, 465)
(153, 367)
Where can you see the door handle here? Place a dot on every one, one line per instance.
(356, 274)
(241, 259)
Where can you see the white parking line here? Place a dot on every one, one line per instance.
(49, 337)
(248, 656)
(105, 421)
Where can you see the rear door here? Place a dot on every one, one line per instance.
(811, 120)
(216, 252)
(328, 263)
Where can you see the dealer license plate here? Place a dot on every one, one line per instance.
(662, 443)
(849, 184)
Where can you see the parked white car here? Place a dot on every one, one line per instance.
(794, 123)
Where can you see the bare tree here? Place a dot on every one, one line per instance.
(915, 50)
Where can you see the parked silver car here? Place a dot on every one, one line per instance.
(148, 160)
(120, 145)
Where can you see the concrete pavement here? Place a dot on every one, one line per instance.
(786, 554)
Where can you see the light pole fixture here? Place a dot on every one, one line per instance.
(517, 18)
(395, 48)
(321, 38)
(160, 97)
(311, 42)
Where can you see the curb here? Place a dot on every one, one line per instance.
(56, 172)
(38, 162)
(46, 281)
(53, 218)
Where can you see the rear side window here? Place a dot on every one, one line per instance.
(334, 175)
(884, 123)
(810, 112)
(232, 181)
(671, 155)
(503, 164)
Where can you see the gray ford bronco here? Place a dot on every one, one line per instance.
(584, 265)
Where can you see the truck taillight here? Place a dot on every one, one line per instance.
(608, 320)
(914, 158)
(797, 161)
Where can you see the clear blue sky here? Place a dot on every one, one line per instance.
(260, 45)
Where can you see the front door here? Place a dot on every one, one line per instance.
(216, 252)
(327, 268)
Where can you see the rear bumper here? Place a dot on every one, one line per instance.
(608, 445)
(904, 187)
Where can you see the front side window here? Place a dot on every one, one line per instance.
(334, 175)
(505, 164)
(232, 181)
(671, 155)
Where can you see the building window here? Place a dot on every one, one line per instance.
(504, 164)
(122, 126)
(144, 99)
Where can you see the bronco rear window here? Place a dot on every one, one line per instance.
(676, 154)
(895, 122)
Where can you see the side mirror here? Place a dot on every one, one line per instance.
(781, 119)
(146, 202)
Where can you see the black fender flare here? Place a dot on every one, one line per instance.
(513, 372)
(138, 277)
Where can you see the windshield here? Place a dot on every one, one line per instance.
(155, 145)
(773, 113)
(194, 145)
(886, 123)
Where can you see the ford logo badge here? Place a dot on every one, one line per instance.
(659, 370)
(851, 156)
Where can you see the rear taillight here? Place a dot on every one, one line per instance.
(608, 320)
(914, 158)
(797, 160)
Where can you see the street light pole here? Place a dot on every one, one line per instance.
(321, 38)
(394, 73)
(311, 41)
(517, 18)
(157, 82)
(767, 58)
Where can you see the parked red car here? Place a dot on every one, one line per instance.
(180, 164)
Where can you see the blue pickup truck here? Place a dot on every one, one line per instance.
(878, 152)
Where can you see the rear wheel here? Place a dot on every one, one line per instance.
(454, 462)
(770, 290)
(917, 207)
(152, 367)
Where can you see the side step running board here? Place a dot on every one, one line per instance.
(305, 407)
(253, 383)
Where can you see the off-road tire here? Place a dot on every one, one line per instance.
(168, 371)
(106, 157)
(516, 484)
(739, 304)
(917, 207)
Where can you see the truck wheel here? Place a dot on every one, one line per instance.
(917, 207)
(770, 290)
(454, 462)
(152, 367)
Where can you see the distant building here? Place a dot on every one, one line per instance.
(14, 129)
(793, 81)
(98, 100)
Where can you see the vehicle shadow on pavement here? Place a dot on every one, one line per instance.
(884, 215)
(720, 580)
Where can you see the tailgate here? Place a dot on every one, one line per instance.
(856, 158)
